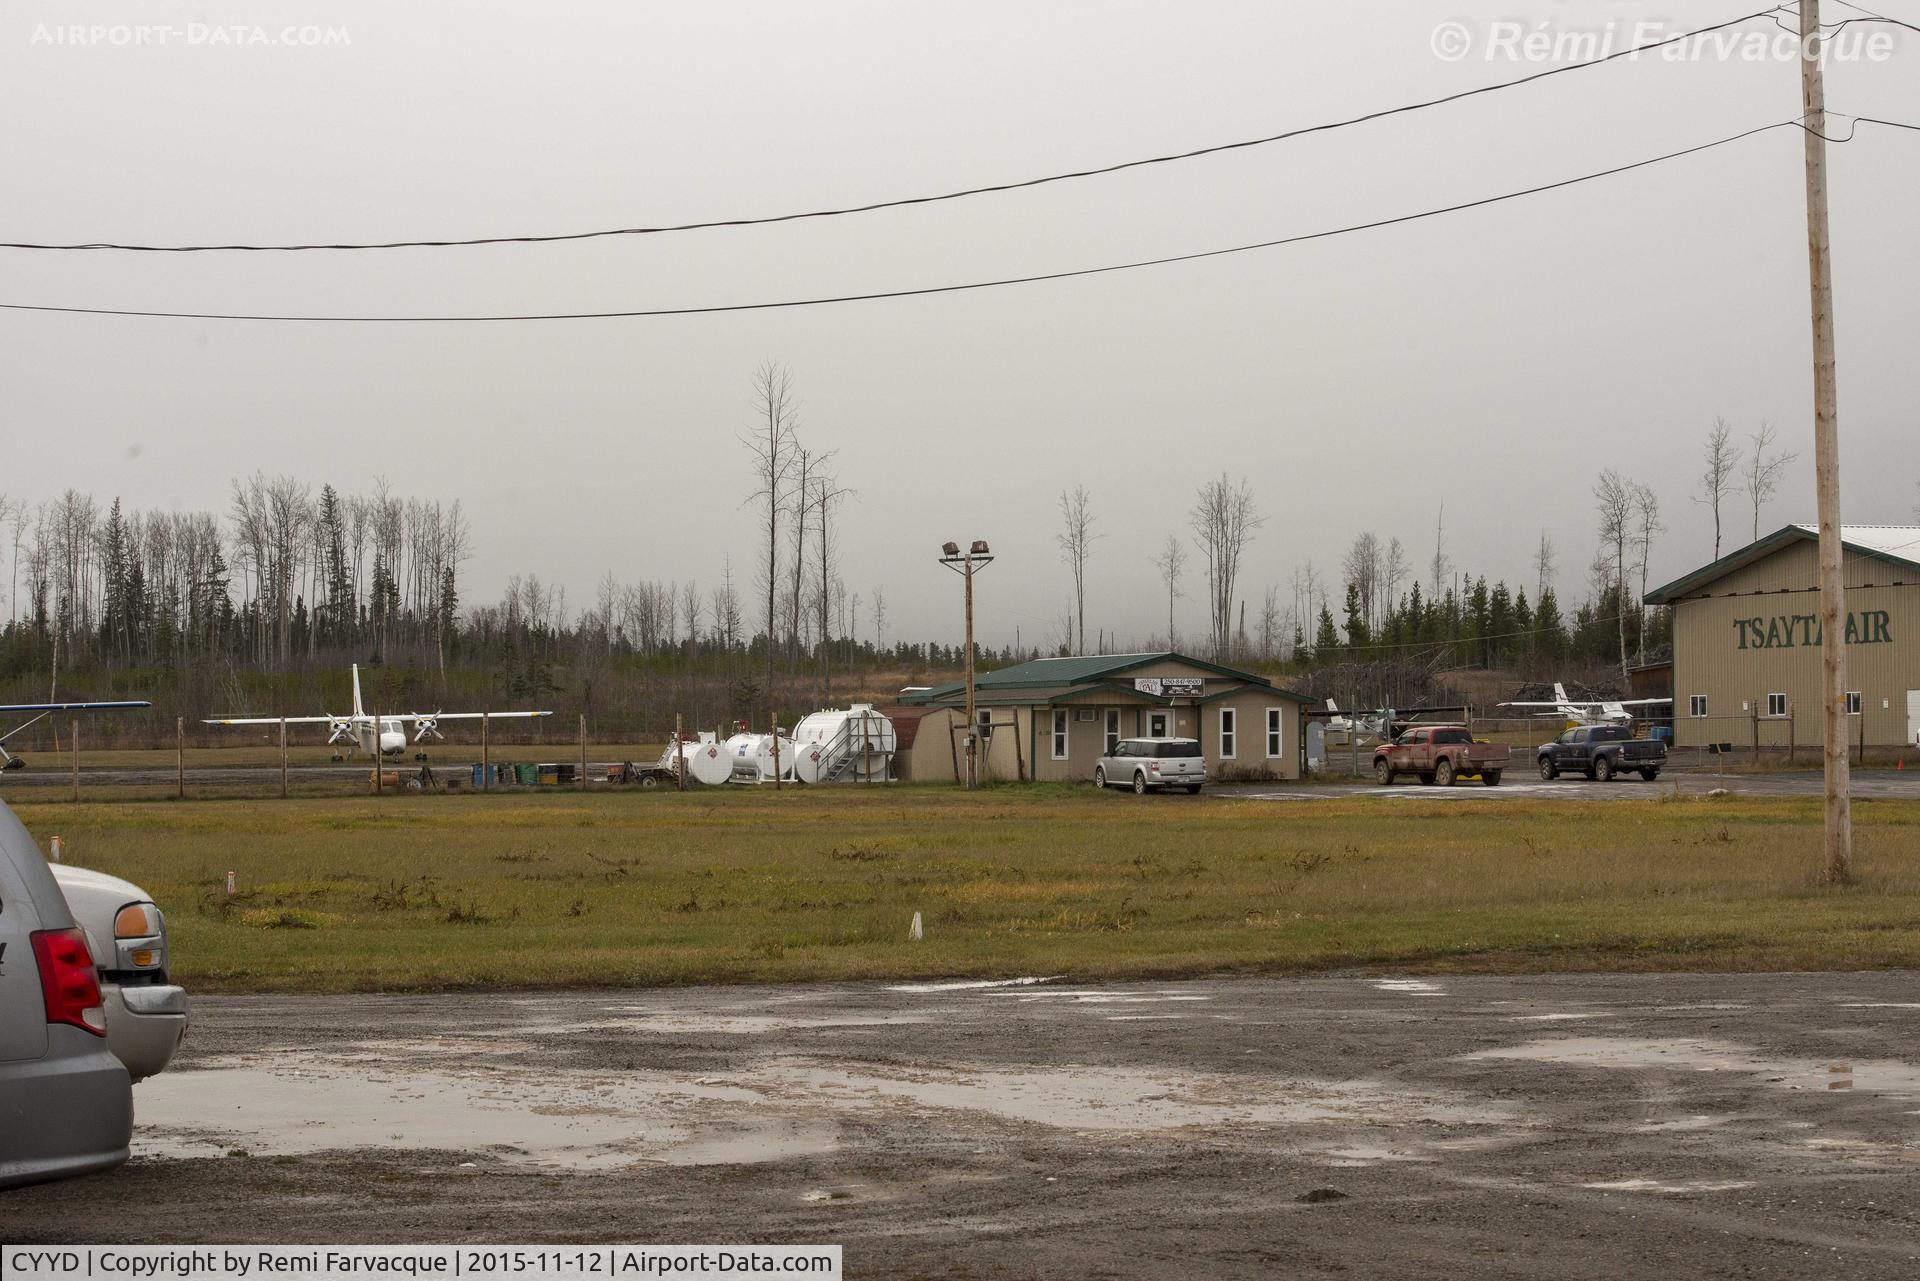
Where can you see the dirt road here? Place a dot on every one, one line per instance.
(1649, 1126)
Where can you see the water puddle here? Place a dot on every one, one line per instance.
(1681, 1188)
(1097, 997)
(968, 985)
(1687, 1054)
(1409, 987)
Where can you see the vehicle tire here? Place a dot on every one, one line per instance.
(1649, 774)
(649, 780)
(1139, 784)
(1548, 772)
(1383, 773)
(1426, 780)
(1100, 777)
(1603, 769)
(1193, 789)
(1490, 777)
(1443, 773)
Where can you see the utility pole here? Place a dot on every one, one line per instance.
(1826, 460)
(965, 563)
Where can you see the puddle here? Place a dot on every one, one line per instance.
(571, 1119)
(1689, 1055)
(677, 1023)
(1410, 987)
(1361, 1156)
(1552, 1018)
(968, 985)
(1681, 1188)
(1096, 997)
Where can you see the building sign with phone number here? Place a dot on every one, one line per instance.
(1171, 686)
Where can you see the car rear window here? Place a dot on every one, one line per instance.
(1176, 749)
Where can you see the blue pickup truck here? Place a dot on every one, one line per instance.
(1602, 752)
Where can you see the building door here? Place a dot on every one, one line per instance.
(1913, 717)
(1160, 724)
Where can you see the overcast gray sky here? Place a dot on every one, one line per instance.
(1493, 359)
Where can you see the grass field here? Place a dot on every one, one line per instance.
(527, 890)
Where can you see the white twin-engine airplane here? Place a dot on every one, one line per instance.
(1610, 711)
(360, 730)
(41, 712)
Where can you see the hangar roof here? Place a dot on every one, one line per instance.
(1896, 544)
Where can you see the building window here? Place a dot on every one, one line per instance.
(984, 717)
(1273, 733)
(1229, 722)
(1113, 729)
(1853, 702)
(1060, 735)
(1697, 705)
(1776, 704)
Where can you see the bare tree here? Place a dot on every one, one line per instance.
(826, 493)
(1393, 573)
(1646, 517)
(1613, 498)
(1171, 561)
(1076, 542)
(1363, 570)
(1224, 518)
(1717, 481)
(1441, 564)
(1544, 563)
(771, 442)
(1763, 471)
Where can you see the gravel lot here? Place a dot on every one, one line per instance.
(1651, 1125)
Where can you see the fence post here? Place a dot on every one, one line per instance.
(583, 752)
(679, 755)
(379, 765)
(180, 758)
(486, 756)
(1753, 717)
(73, 738)
(283, 758)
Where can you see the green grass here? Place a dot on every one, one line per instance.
(527, 890)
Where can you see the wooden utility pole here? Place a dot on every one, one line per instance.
(679, 755)
(283, 758)
(583, 751)
(973, 718)
(486, 756)
(1826, 459)
(180, 757)
(73, 738)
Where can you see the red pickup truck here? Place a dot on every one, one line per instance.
(1440, 754)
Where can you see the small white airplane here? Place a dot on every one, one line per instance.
(1381, 722)
(43, 710)
(385, 735)
(1606, 711)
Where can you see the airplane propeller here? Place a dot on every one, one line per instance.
(339, 730)
(428, 725)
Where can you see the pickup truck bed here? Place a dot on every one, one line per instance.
(1602, 752)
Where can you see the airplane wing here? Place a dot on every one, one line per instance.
(1549, 706)
(72, 707)
(467, 716)
(1640, 702)
(273, 720)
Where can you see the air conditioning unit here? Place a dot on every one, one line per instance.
(1086, 713)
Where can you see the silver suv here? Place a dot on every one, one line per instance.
(66, 1104)
(1146, 763)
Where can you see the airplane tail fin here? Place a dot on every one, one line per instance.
(1332, 706)
(1559, 692)
(358, 710)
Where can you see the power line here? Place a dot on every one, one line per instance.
(910, 200)
(925, 290)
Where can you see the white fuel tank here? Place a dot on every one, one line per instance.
(855, 743)
(707, 760)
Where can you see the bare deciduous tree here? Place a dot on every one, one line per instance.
(1171, 562)
(1544, 563)
(1224, 518)
(1646, 518)
(1441, 564)
(771, 442)
(1723, 467)
(1076, 541)
(1763, 471)
(1613, 499)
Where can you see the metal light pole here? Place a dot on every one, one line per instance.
(1826, 459)
(964, 563)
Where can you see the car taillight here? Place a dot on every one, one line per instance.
(67, 980)
(1154, 766)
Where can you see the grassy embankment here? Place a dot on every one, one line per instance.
(524, 890)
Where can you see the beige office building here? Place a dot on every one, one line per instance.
(1746, 641)
(1051, 719)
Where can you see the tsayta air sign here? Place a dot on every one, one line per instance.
(1787, 631)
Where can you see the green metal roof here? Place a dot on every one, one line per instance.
(1051, 674)
(1861, 540)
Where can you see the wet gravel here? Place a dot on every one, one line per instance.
(1432, 1126)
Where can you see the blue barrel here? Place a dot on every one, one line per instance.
(479, 776)
(1663, 733)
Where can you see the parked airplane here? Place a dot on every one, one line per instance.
(1381, 722)
(1606, 711)
(41, 712)
(359, 730)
